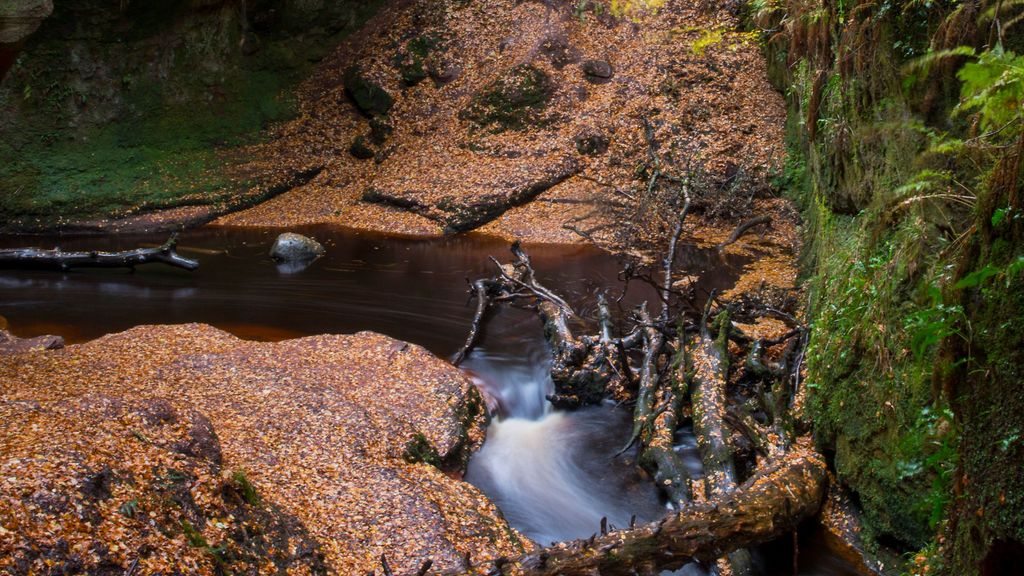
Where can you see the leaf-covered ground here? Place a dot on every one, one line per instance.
(446, 116)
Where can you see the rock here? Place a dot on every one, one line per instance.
(359, 149)
(558, 51)
(380, 129)
(19, 18)
(443, 70)
(512, 102)
(333, 439)
(291, 247)
(11, 344)
(368, 96)
(597, 71)
(93, 486)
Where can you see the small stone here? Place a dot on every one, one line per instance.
(597, 71)
(291, 247)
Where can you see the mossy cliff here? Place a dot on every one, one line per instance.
(152, 92)
(911, 194)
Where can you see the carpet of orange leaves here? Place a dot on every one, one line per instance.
(707, 100)
(112, 446)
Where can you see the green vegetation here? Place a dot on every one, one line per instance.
(247, 490)
(419, 449)
(144, 113)
(513, 102)
(909, 179)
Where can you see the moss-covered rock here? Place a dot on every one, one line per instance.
(514, 101)
(370, 97)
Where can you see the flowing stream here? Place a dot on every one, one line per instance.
(553, 474)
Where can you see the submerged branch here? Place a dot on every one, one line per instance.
(59, 260)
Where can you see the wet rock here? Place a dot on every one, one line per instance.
(597, 71)
(330, 449)
(11, 344)
(291, 247)
(371, 98)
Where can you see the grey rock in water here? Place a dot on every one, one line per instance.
(291, 247)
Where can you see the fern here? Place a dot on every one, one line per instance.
(993, 86)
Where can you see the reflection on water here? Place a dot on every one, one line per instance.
(554, 475)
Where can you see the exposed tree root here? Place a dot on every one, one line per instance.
(59, 260)
(662, 371)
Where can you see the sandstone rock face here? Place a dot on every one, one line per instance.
(291, 247)
(323, 441)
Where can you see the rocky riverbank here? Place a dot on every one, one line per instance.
(185, 449)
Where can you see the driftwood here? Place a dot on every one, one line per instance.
(57, 259)
(709, 413)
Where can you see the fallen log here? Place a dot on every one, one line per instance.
(770, 504)
(481, 290)
(57, 259)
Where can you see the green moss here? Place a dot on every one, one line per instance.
(369, 97)
(412, 61)
(247, 490)
(513, 102)
(916, 306)
(419, 449)
(148, 132)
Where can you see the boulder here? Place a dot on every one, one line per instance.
(351, 444)
(370, 97)
(10, 344)
(291, 247)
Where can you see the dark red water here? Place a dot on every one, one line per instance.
(414, 290)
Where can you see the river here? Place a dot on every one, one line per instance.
(553, 474)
